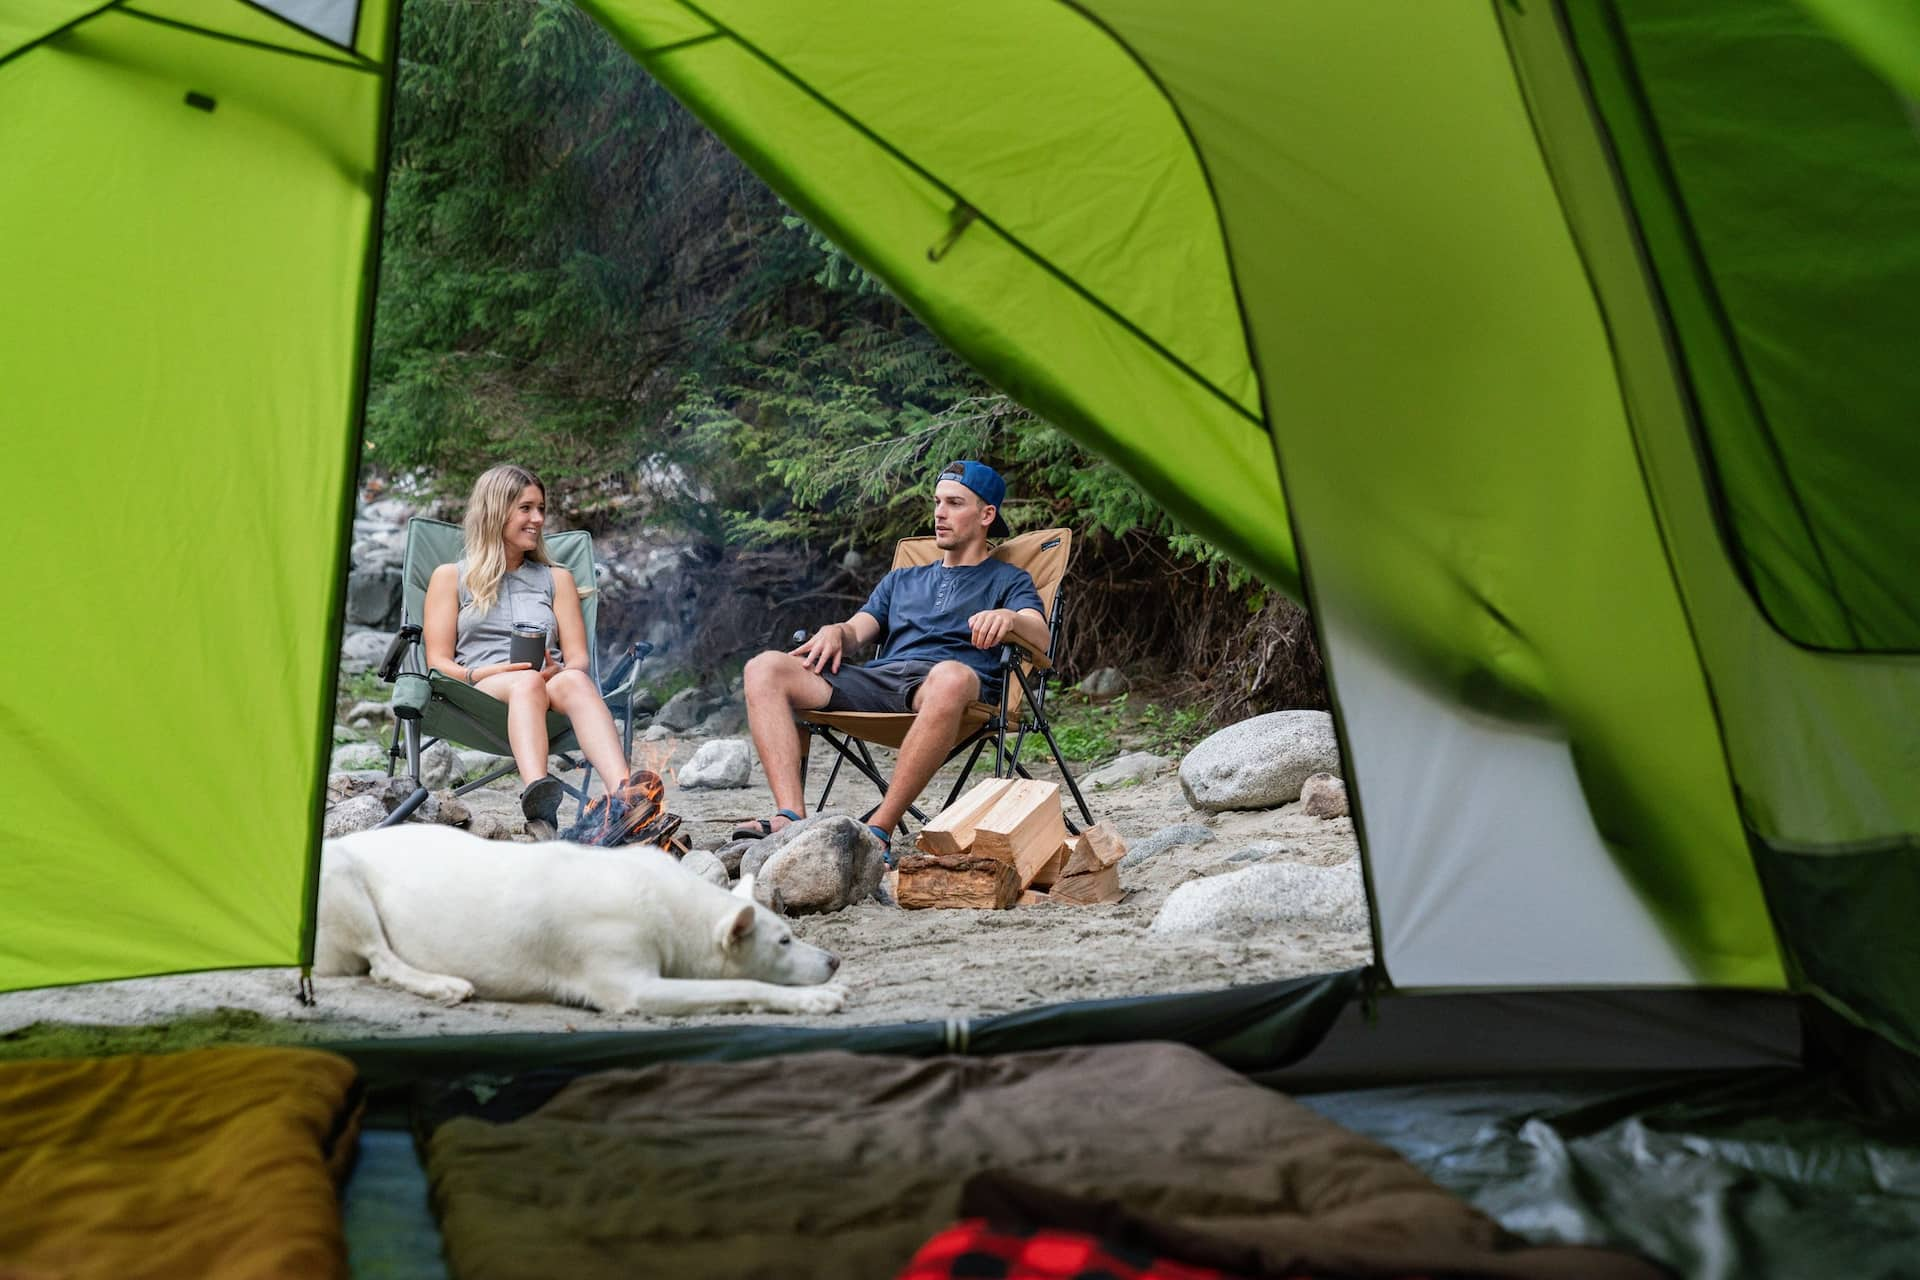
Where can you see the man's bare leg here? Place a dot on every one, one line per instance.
(777, 685)
(939, 703)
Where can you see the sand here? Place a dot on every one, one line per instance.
(898, 965)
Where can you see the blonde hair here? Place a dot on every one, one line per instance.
(484, 530)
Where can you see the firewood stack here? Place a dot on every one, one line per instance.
(1005, 843)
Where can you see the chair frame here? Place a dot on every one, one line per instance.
(1014, 664)
(406, 655)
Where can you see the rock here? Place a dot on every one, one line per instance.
(1103, 685)
(1261, 899)
(1260, 763)
(372, 596)
(357, 756)
(437, 765)
(355, 782)
(684, 710)
(830, 865)
(729, 720)
(1135, 766)
(471, 764)
(1167, 838)
(724, 762)
(1323, 796)
(368, 710)
(706, 866)
(732, 852)
(391, 511)
(362, 651)
(362, 813)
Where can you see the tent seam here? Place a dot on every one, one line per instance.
(59, 31)
(985, 219)
(355, 63)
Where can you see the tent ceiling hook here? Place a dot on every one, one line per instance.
(959, 219)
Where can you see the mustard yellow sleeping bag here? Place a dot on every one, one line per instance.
(214, 1164)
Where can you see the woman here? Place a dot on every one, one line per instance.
(506, 578)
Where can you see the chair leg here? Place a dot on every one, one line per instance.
(966, 771)
(1046, 730)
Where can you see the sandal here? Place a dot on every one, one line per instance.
(761, 828)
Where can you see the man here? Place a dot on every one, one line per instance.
(941, 626)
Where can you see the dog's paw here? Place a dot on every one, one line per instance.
(830, 998)
(451, 991)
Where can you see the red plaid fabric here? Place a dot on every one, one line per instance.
(974, 1249)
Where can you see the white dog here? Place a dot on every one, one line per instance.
(447, 915)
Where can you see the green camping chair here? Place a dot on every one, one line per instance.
(429, 707)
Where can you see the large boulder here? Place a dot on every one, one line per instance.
(1183, 833)
(1133, 767)
(824, 864)
(1260, 763)
(361, 813)
(1272, 896)
(685, 709)
(373, 595)
(724, 762)
(362, 651)
(1103, 685)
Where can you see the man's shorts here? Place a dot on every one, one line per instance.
(888, 688)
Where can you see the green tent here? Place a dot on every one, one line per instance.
(1577, 337)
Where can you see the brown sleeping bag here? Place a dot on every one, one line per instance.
(841, 1165)
(212, 1164)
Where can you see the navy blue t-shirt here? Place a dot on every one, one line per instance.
(923, 612)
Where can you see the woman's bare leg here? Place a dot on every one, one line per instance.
(525, 694)
(573, 695)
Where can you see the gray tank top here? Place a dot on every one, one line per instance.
(526, 595)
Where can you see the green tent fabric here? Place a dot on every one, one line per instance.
(188, 215)
(1576, 334)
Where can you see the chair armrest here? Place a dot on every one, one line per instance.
(1013, 649)
(397, 650)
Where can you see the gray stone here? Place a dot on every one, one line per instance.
(358, 755)
(706, 866)
(1260, 763)
(372, 596)
(1166, 838)
(362, 651)
(728, 720)
(1135, 766)
(1277, 895)
(1323, 796)
(471, 764)
(832, 864)
(724, 762)
(437, 765)
(362, 813)
(732, 852)
(1261, 851)
(684, 710)
(1103, 685)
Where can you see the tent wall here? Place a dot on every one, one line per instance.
(187, 221)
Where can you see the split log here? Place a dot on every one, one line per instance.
(1054, 869)
(956, 880)
(1097, 847)
(1024, 829)
(951, 830)
(1089, 888)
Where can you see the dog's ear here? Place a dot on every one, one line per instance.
(737, 928)
(745, 888)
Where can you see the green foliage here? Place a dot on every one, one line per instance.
(1088, 732)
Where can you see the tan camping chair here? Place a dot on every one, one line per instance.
(1044, 554)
